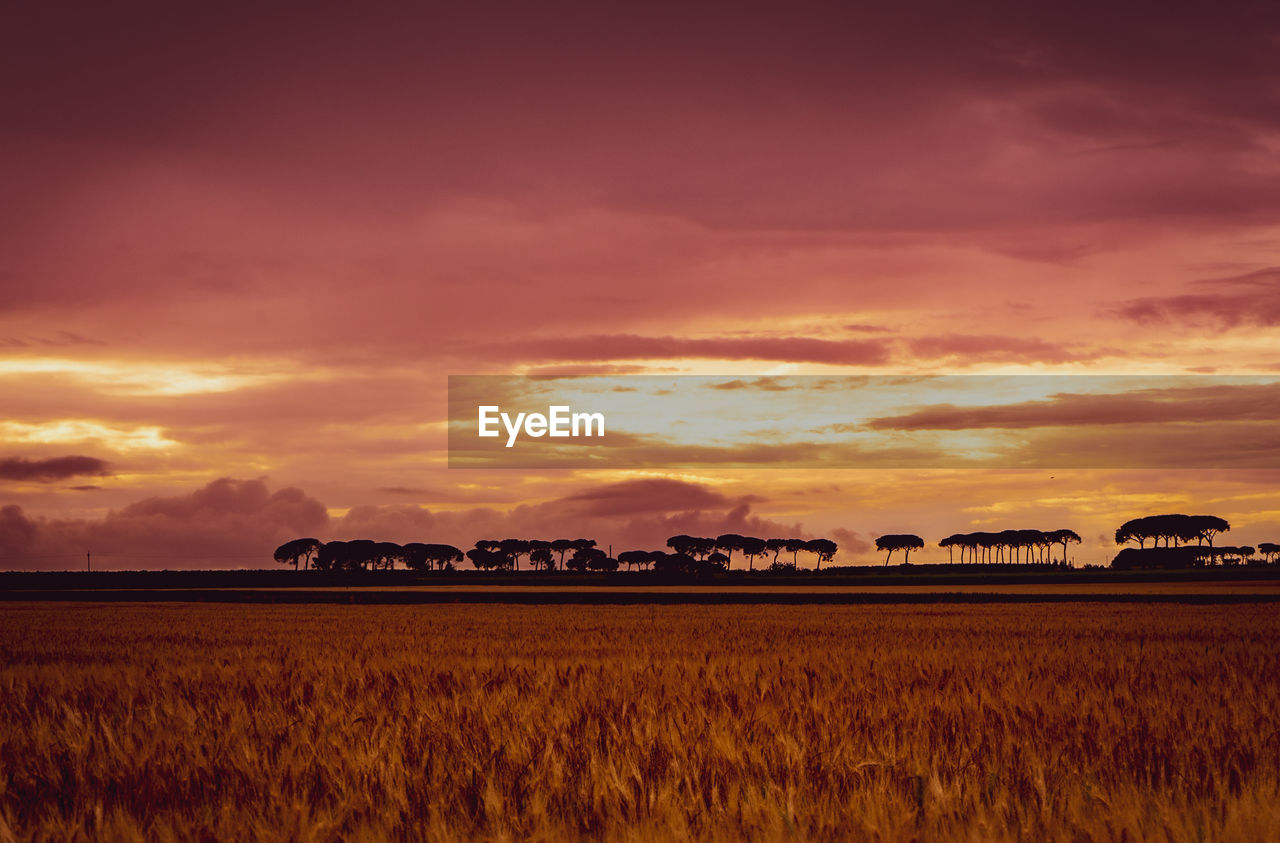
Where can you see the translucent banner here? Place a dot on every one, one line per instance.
(953, 421)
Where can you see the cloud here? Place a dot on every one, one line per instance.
(54, 468)
(637, 347)
(632, 514)
(1249, 299)
(765, 384)
(59, 339)
(851, 543)
(1222, 403)
(621, 450)
(573, 370)
(225, 524)
(650, 494)
(992, 348)
(16, 531)
(238, 523)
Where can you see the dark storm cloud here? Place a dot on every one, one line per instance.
(54, 468)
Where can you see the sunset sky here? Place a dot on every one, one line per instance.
(242, 250)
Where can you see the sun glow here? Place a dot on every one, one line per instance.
(139, 379)
(67, 431)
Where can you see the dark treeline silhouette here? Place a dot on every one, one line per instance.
(363, 554)
(299, 549)
(505, 555)
(699, 556)
(1008, 546)
(904, 542)
(708, 549)
(1179, 529)
(1187, 556)
(690, 554)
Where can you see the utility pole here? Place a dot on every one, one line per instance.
(88, 563)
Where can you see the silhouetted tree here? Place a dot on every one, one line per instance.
(514, 549)
(1042, 541)
(1064, 537)
(331, 556)
(775, 545)
(295, 550)
(824, 549)
(422, 557)
(601, 561)
(361, 554)
(583, 558)
(542, 559)
(682, 544)
(903, 542)
(703, 547)
(1132, 530)
(683, 563)
(386, 554)
(718, 560)
(562, 546)
(1174, 528)
(444, 556)
(634, 558)
(1269, 550)
(751, 547)
(729, 542)
(488, 560)
(1208, 526)
(416, 555)
(981, 544)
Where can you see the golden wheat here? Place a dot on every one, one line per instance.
(708, 722)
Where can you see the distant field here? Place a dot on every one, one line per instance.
(444, 722)
(1194, 591)
(1228, 587)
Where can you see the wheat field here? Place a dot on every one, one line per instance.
(994, 722)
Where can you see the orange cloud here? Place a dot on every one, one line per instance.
(1217, 403)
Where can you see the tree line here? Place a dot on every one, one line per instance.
(701, 555)
(689, 554)
(1177, 532)
(1007, 546)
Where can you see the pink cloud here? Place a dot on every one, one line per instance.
(1219, 403)
(226, 524)
(975, 348)
(631, 514)
(53, 468)
(1251, 299)
(631, 347)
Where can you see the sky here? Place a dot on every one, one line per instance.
(243, 246)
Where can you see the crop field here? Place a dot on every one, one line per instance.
(442, 722)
